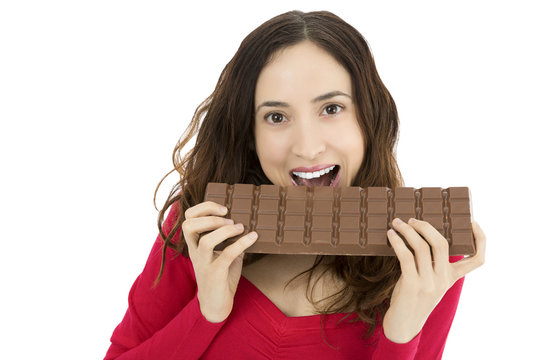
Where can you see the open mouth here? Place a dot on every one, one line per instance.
(323, 180)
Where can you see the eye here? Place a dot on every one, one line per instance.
(274, 116)
(333, 106)
(277, 118)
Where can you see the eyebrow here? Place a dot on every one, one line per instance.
(319, 98)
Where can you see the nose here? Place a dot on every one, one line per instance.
(309, 143)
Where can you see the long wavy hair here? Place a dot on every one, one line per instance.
(225, 125)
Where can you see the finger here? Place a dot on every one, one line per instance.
(231, 252)
(405, 257)
(193, 227)
(208, 242)
(421, 249)
(439, 244)
(468, 264)
(205, 209)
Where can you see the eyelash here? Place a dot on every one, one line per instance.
(277, 113)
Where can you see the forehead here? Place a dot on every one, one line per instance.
(301, 71)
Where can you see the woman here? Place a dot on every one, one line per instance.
(301, 94)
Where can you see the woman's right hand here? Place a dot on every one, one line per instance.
(217, 275)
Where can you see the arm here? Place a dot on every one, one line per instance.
(430, 341)
(166, 321)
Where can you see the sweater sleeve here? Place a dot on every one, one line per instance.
(429, 343)
(164, 322)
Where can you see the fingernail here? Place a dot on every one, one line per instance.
(229, 222)
(398, 221)
(223, 209)
(239, 226)
(253, 235)
(412, 220)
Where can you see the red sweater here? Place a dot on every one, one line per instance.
(166, 323)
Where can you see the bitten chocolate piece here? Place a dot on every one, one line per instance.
(341, 221)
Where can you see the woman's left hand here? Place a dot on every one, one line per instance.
(424, 280)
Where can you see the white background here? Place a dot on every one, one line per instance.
(95, 94)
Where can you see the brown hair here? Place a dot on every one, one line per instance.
(228, 128)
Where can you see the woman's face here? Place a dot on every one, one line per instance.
(302, 133)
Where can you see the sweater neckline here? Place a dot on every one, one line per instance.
(266, 305)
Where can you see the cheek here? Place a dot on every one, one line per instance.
(348, 138)
(351, 143)
(271, 150)
(354, 143)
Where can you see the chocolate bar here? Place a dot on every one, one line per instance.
(341, 221)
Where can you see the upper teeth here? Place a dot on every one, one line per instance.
(315, 174)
